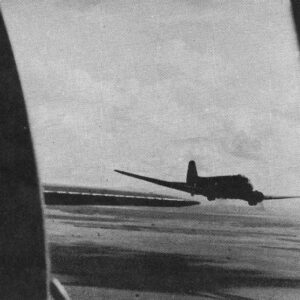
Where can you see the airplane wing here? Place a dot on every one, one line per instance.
(181, 186)
(66, 195)
(279, 197)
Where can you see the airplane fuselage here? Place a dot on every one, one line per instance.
(227, 187)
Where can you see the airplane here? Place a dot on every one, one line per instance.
(24, 252)
(224, 187)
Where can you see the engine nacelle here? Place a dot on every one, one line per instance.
(252, 203)
(256, 198)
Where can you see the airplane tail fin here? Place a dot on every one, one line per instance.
(192, 174)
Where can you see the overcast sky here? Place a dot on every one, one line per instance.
(145, 86)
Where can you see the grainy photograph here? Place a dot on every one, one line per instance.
(150, 149)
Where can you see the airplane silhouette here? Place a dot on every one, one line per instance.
(224, 187)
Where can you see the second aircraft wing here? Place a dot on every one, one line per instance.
(181, 186)
(279, 197)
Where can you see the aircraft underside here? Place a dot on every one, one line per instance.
(252, 198)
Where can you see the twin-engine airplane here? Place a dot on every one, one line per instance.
(224, 187)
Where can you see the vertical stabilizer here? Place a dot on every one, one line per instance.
(192, 175)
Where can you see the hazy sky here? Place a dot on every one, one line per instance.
(145, 86)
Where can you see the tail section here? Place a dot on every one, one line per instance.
(192, 175)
